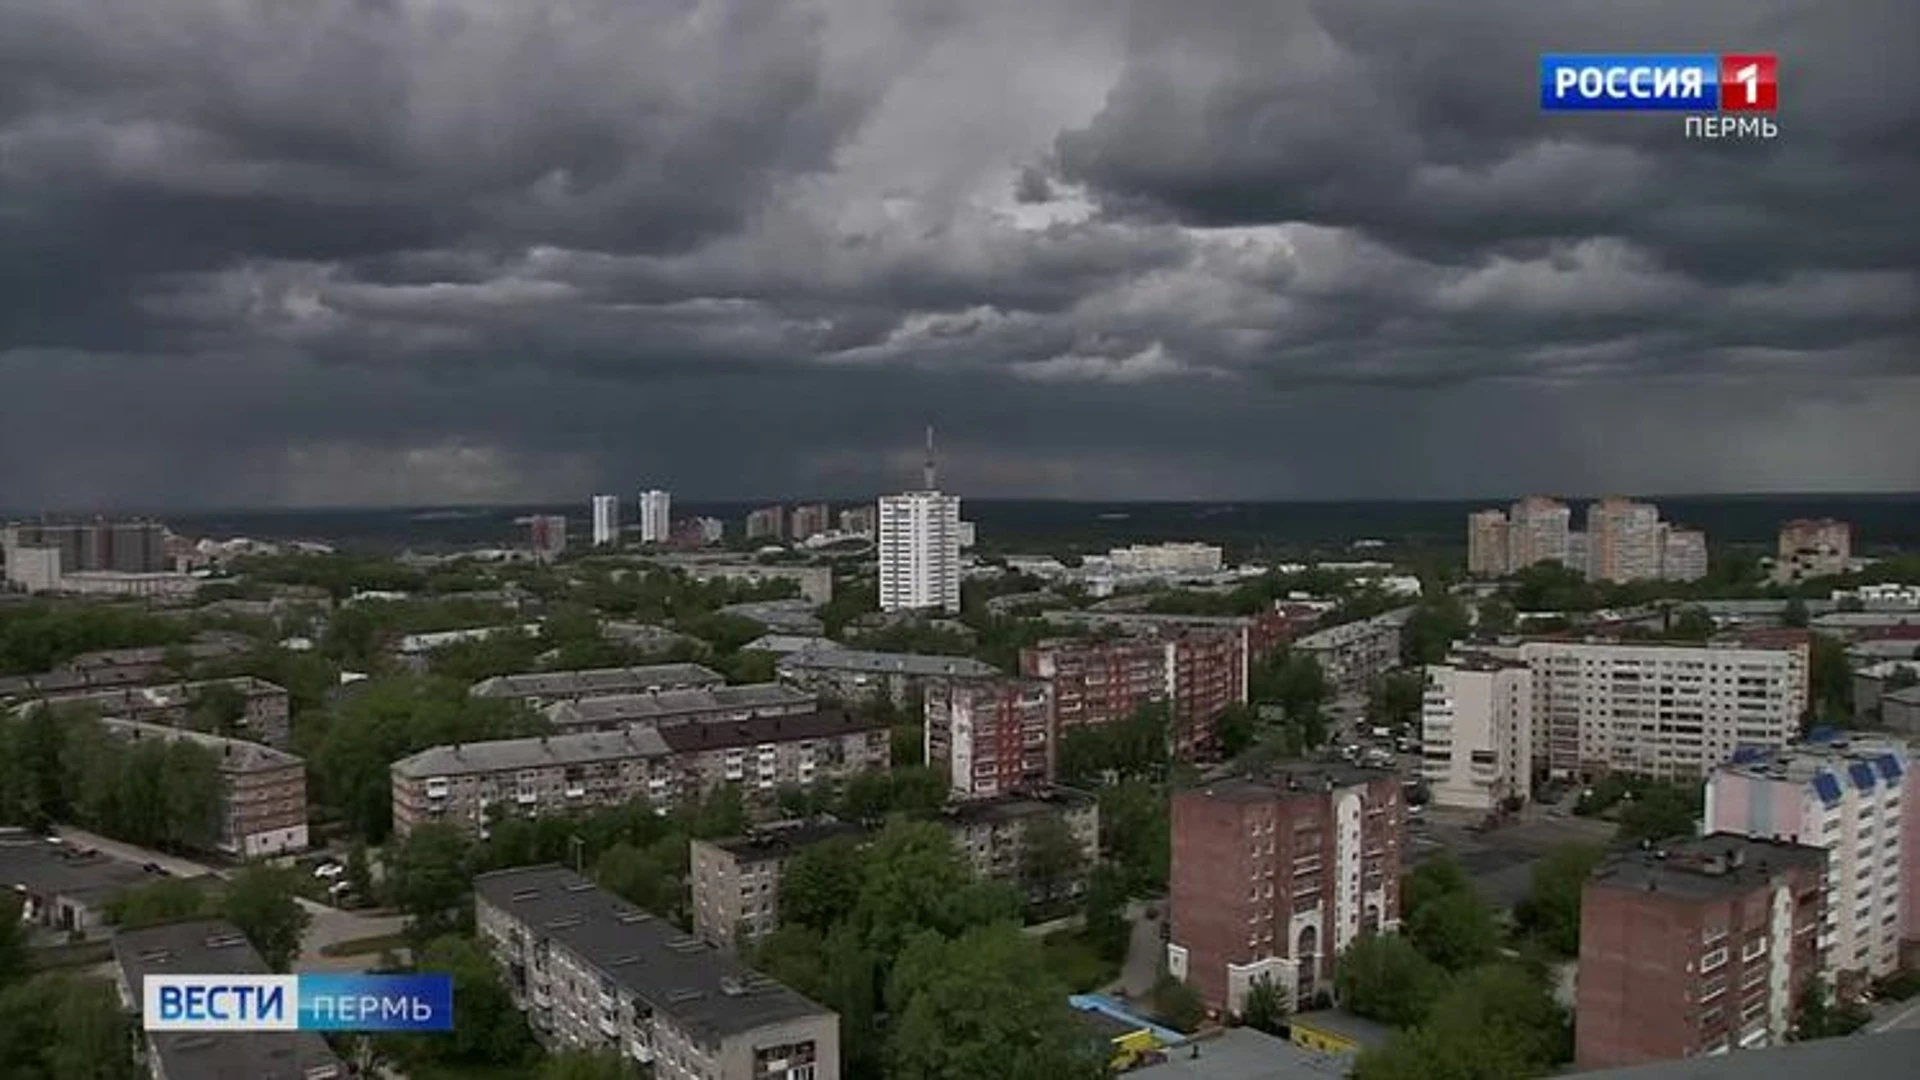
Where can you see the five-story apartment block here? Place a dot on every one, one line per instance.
(990, 735)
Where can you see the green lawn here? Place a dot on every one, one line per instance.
(1070, 956)
(366, 946)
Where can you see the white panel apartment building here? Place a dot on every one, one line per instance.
(606, 519)
(1854, 799)
(1476, 732)
(1660, 709)
(920, 552)
(656, 517)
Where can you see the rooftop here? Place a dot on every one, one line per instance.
(885, 663)
(598, 681)
(1888, 1054)
(1015, 805)
(538, 752)
(1340, 1022)
(1288, 777)
(1829, 763)
(704, 991)
(725, 734)
(44, 868)
(788, 643)
(215, 946)
(662, 705)
(1245, 1054)
(236, 755)
(784, 839)
(1723, 864)
(161, 697)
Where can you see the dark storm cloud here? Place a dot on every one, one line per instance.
(354, 251)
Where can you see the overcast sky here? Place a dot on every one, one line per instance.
(356, 252)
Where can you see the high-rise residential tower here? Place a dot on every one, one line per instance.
(656, 517)
(606, 520)
(920, 547)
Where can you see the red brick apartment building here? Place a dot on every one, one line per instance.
(1199, 672)
(1275, 874)
(991, 735)
(1698, 949)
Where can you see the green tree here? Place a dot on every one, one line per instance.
(1106, 909)
(1692, 623)
(1265, 1008)
(582, 1065)
(1050, 858)
(983, 1005)
(1383, 977)
(1820, 1016)
(428, 878)
(821, 884)
(1496, 616)
(1396, 698)
(261, 901)
(1178, 1005)
(1494, 1023)
(1830, 679)
(916, 881)
(491, 1031)
(1552, 912)
(1135, 833)
(218, 707)
(359, 874)
(157, 902)
(1236, 729)
(651, 877)
(1660, 811)
(53, 1027)
(1455, 931)
(1439, 620)
(1432, 879)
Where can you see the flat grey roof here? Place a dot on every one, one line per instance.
(1720, 864)
(216, 946)
(236, 755)
(1287, 777)
(1245, 1054)
(885, 663)
(536, 752)
(780, 840)
(668, 704)
(1867, 1057)
(1014, 805)
(622, 680)
(44, 868)
(727, 734)
(706, 992)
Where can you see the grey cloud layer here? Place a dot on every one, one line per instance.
(426, 250)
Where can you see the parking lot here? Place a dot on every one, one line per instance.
(1500, 861)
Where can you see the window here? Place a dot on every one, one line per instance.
(1714, 960)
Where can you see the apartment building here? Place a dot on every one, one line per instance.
(1623, 540)
(109, 668)
(857, 674)
(1666, 710)
(990, 735)
(1353, 656)
(697, 705)
(541, 690)
(63, 887)
(1853, 798)
(211, 947)
(813, 583)
(1683, 553)
(810, 519)
(465, 784)
(263, 791)
(736, 882)
(1812, 548)
(265, 718)
(767, 523)
(991, 833)
(594, 973)
(1476, 732)
(98, 546)
(656, 516)
(1198, 672)
(1260, 635)
(1700, 948)
(920, 552)
(1487, 543)
(606, 520)
(1274, 874)
(858, 520)
(1538, 530)
(1167, 560)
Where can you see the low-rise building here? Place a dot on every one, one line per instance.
(1354, 655)
(858, 675)
(212, 947)
(62, 886)
(736, 882)
(467, 784)
(1699, 948)
(542, 689)
(594, 973)
(1900, 710)
(663, 708)
(813, 583)
(1275, 873)
(990, 735)
(780, 616)
(264, 720)
(263, 791)
(1875, 680)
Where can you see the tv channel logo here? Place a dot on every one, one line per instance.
(1660, 82)
(411, 1003)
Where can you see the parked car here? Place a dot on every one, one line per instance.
(328, 871)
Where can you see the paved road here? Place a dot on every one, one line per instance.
(1907, 1018)
(1145, 954)
(330, 925)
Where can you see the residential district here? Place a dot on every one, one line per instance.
(853, 792)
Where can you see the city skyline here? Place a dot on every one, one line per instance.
(1228, 251)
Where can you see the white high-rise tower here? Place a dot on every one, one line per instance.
(656, 521)
(920, 547)
(606, 520)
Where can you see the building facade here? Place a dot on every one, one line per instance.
(263, 791)
(1353, 656)
(596, 974)
(656, 516)
(124, 547)
(1476, 732)
(1701, 948)
(1537, 532)
(1487, 544)
(990, 735)
(1662, 710)
(853, 675)
(469, 784)
(920, 552)
(1274, 875)
(1855, 800)
(1623, 540)
(991, 835)
(547, 536)
(809, 519)
(546, 688)
(1812, 548)
(1167, 560)
(735, 882)
(767, 523)
(606, 520)
(265, 719)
